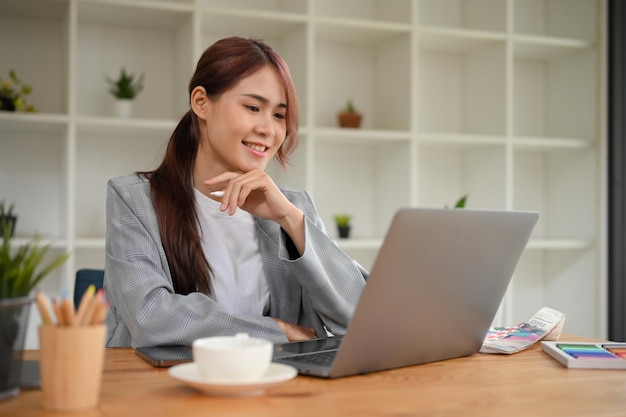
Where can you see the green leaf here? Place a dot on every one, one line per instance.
(22, 268)
(126, 86)
(461, 202)
(342, 219)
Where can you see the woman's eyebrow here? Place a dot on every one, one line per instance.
(263, 100)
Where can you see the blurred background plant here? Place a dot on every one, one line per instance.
(126, 86)
(342, 220)
(13, 92)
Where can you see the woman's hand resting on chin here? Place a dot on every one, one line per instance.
(255, 192)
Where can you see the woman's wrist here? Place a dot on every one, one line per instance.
(293, 225)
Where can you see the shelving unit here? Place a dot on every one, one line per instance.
(500, 100)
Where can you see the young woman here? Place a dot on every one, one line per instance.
(207, 244)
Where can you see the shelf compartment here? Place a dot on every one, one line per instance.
(139, 14)
(557, 97)
(101, 156)
(32, 176)
(560, 280)
(33, 123)
(576, 19)
(45, 22)
(90, 254)
(258, 6)
(388, 11)
(546, 181)
(545, 48)
(375, 77)
(456, 41)
(446, 173)
(462, 84)
(489, 15)
(369, 182)
(267, 26)
(142, 38)
(115, 126)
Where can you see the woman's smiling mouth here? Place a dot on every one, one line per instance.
(256, 147)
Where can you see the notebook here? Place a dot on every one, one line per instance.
(433, 292)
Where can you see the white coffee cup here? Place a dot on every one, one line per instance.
(232, 358)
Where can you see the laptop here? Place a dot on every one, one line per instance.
(433, 292)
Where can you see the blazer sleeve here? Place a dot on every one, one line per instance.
(331, 281)
(145, 309)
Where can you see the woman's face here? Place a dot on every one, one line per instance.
(244, 128)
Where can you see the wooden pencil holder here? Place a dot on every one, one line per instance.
(71, 366)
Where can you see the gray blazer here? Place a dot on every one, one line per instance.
(319, 289)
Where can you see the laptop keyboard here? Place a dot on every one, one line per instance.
(319, 358)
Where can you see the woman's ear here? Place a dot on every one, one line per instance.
(199, 102)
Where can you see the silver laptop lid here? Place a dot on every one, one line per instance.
(435, 287)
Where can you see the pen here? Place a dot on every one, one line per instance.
(219, 193)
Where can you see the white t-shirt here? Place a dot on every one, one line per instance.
(230, 245)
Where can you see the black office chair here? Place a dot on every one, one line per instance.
(84, 278)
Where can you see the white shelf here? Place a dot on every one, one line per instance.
(500, 100)
(113, 125)
(539, 143)
(469, 140)
(457, 40)
(560, 244)
(50, 124)
(360, 135)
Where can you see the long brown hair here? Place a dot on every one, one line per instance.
(221, 66)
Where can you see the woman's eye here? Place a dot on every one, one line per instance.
(279, 116)
(253, 108)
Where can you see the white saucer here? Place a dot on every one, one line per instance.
(189, 374)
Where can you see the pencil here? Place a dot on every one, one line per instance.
(44, 308)
(56, 306)
(68, 312)
(85, 303)
(87, 314)
(101, 309)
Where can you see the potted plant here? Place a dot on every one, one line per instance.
(343, 225)
(125, 89)
(349, 116)
(13, 92)
(21, 269)
(7, 217)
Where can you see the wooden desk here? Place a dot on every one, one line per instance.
(525, 384)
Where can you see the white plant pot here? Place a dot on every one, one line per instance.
(124, 108)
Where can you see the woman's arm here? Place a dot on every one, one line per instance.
(331, 280)
(139, 287)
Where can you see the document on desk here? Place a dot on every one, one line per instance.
(546, 325)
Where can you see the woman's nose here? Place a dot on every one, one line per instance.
(265, 125)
